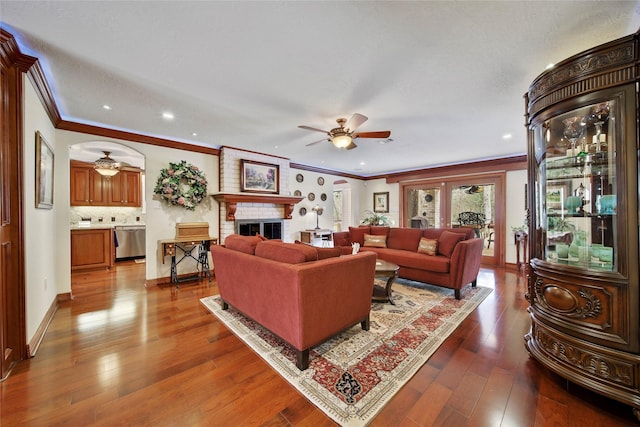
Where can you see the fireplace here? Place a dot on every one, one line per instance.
(269, 228)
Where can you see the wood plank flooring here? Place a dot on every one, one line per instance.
(122, 354)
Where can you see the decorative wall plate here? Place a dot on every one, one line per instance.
(297, 193)
(299, 177)
(323, 197)
(303, 211)
(320, 180)
(312, 196)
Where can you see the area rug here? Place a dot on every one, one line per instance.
(353, 375)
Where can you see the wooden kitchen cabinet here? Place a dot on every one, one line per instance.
(92, 248)
(89, 188)
(125, 189)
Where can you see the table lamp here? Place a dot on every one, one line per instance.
(318, 210)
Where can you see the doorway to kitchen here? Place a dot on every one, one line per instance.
(111, 201)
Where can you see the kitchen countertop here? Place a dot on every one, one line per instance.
(100, 226)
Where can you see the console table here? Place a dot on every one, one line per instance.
(325, 235)
(186, 246)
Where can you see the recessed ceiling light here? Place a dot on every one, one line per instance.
(361, 163)
(549, 66)
(168, 115)
(106, 107)
(194, 134)
(275, 146)
(507, 136)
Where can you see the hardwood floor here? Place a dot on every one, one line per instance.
(121, 354)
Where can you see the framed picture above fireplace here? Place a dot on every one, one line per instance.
(257, 177)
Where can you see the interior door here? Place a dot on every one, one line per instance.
(12, 300)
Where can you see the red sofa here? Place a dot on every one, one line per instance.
(303, 294)
(448, 257)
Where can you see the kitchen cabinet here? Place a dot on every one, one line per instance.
(89, 188)
(125, 189)
(92, 249)
(583, 281)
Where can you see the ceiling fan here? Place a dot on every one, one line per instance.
(344, 134)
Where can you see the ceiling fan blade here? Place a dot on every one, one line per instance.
(378, 134)
(350, 146)
(355, 122)
(314, 129)
(317, 142)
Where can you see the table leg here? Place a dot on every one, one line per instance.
(390, 281)
(174, 270)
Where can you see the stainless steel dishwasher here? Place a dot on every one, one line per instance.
(130, 241)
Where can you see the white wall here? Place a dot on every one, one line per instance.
(516, 211)
(42, 271)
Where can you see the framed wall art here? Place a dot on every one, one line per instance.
(381, 202)
(44, 173)
(257, 177)
(557, 192)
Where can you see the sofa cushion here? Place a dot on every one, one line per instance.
(404, 238)
(357, 234)
(374, 241)
(379, 230)
(413, 260)
(448, 241)
(428, 246)
(246, 244)
(289, 253)
(323, 253)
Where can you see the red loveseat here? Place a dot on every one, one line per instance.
(448, 257)
(303, 294)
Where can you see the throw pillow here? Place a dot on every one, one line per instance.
(428, 246)
(373, 241)
(447, 242)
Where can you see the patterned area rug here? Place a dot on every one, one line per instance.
(352, 376)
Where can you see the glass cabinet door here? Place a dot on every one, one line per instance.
(576, 186)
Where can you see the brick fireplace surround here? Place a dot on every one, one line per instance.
(251, 206)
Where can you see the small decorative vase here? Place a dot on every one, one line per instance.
(572, 203)
(608, 204)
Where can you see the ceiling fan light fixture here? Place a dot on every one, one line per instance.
(106, 166)
(342, 141)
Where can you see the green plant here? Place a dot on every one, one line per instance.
(373, 218)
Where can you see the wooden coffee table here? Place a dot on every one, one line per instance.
(388, 270)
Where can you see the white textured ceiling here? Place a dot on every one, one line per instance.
(447, 78)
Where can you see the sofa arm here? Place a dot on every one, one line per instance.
(465, 262)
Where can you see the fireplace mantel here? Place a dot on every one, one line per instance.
(232, 200)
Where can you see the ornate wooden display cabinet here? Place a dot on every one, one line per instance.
(582, 118)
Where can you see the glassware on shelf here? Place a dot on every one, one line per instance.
(573, 131)
(599, 114)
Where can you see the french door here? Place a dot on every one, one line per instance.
(475, 201)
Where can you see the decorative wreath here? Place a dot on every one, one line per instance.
(181, 184)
